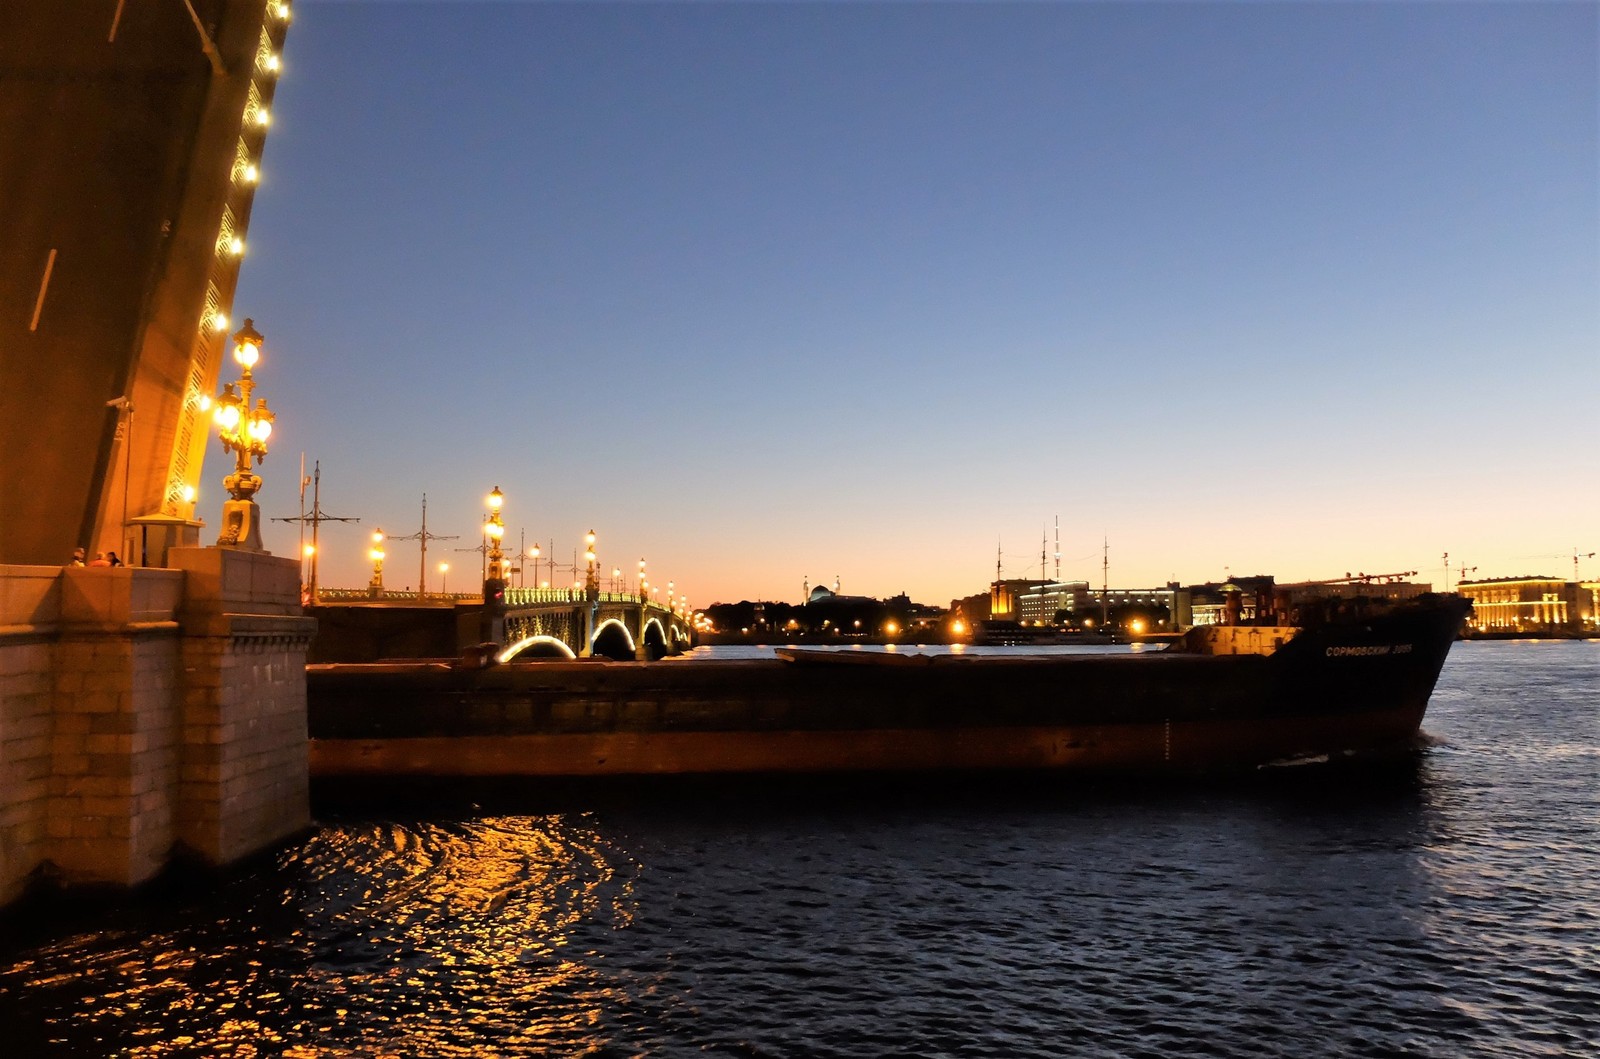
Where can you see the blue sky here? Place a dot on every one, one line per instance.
(771, 291)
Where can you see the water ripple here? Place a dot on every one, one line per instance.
(1453, 911)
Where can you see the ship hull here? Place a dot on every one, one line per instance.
(1341, 690)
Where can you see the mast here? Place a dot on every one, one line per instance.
(1105, 567)
(304, 481)
(316, 518)
(1058, 549)
(424, 536)
(316, 524)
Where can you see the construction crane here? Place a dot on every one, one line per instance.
(1355, 579)
(1576, 555)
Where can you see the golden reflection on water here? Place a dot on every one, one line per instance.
(403, 940)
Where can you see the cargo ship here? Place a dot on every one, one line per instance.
(1351, 678)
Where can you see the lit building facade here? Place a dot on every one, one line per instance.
(1532, 603)
(1042, 602)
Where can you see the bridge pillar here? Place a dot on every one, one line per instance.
(641, 651)
(591, 612)
(144, 708)
(492, 619)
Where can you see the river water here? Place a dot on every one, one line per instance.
(1450, 908)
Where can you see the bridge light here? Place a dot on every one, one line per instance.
(247, 343)
(243, 426)
(496, 498)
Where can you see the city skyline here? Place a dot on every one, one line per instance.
(772, 292)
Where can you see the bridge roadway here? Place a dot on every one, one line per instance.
(358, 625)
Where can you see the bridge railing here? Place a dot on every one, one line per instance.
(364, 595)
(515, 597)
(531, 596)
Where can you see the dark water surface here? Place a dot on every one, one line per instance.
(1447, 909)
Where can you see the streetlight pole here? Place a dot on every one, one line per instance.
(496, 529)
(375, 586)
(444, 579)
(591, 594)
(244, 426)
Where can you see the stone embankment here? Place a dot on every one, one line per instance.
(145, 712)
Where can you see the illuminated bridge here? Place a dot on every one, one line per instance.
(525, 623)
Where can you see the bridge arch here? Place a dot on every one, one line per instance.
(613, 640)
(655, 639)
(538, 643)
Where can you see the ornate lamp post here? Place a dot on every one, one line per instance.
(534, 553)
(496, 529)
(244, 426)
(591, 583)
(643, 584)
(375, 586)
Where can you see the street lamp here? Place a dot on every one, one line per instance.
(496, 529)
(616, 578)
(533, 553)
(244, 426)
(591, 583)
(375, 586)
(642, 583)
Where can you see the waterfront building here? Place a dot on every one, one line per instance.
(1005, 597)
(1530, 603)
(1075, 602)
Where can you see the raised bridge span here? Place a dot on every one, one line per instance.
(358, 626)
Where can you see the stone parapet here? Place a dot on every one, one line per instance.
(146, 709)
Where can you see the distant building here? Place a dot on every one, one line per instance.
(1208, 603)
(1054, 602)
(1005, 598)
(1530, 603)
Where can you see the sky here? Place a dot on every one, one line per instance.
(770, 293)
